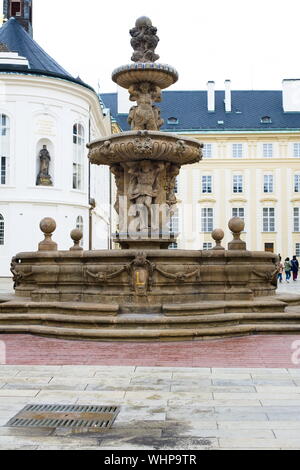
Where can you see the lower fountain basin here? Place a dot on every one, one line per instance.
(145, 281)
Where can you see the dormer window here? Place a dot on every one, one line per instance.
(266, 120)
(172, 120)
(15, 8)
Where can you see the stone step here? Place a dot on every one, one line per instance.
(256, 305)
(110, 334)
(147, 321)
(75, 308)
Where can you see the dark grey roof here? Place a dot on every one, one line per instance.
(190, 108)
(18, 40)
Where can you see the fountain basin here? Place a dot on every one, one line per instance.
(162, 75)
(145, 281)
(145, 145)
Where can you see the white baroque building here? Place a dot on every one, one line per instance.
(42, 105)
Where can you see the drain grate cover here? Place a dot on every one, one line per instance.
(65, 416)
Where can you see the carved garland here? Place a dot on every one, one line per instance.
(182, 276)
(103, 277)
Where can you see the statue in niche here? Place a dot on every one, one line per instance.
(145, 116)
(44, 178)
(144, 41)
(144, 186)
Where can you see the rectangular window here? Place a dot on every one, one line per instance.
(207, 246)
(268, 219)
(174, 222)
(238, 212)
(267, 150)
(206, 184)
(296, 219)
(207, 151)
(173, 246)
(1, 230)
(269, 247)
(297, 183)
(237, 186)
(297, 149)
(3, 170)
(237, 150)
(297, 249)
(268, 184)
(207, 216)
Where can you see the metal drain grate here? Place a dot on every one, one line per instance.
(65, 416)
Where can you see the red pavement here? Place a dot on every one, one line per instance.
(248, 351)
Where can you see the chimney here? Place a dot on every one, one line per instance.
(227, 96)
(211, 97)
(291, 95)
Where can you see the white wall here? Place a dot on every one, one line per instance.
(43, 110)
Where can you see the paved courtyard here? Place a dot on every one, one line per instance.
(233, 393)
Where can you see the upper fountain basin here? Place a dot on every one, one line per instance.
(145, 145)
(161, 75)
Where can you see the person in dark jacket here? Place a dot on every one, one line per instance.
(295, 267)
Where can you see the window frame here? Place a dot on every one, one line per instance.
(267, 149)
(78, 156)
(296, 219)
(2, 230)
(268, 186)
(237, 150)
(4, 149)
(207, 219)
(238, 185)
(206, 184)
(268, 220)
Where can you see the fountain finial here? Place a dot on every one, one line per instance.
(144, 41)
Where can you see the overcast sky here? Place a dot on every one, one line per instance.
(254, 43)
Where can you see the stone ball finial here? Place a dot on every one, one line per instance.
(218, 235)
(236, 225)
(143, 21)
(47, 226)
(76, 236)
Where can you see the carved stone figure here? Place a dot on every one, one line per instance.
(145, 116)
(144, 41)
(172, 173)
(44, 178)
(118, 173)
(143, 187)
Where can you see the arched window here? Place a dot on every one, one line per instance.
(1, 229)
(79, 225)
(78, 155)
(4, 149)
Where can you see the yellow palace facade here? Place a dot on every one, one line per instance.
(250, 168)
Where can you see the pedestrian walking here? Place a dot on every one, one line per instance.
(287, 269)
(295, 267)
(279, 270)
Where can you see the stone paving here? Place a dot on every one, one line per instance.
(161, 408)
(235, 393)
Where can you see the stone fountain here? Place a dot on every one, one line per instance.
(143, 290)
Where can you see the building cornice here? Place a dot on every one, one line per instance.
(54, 83)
